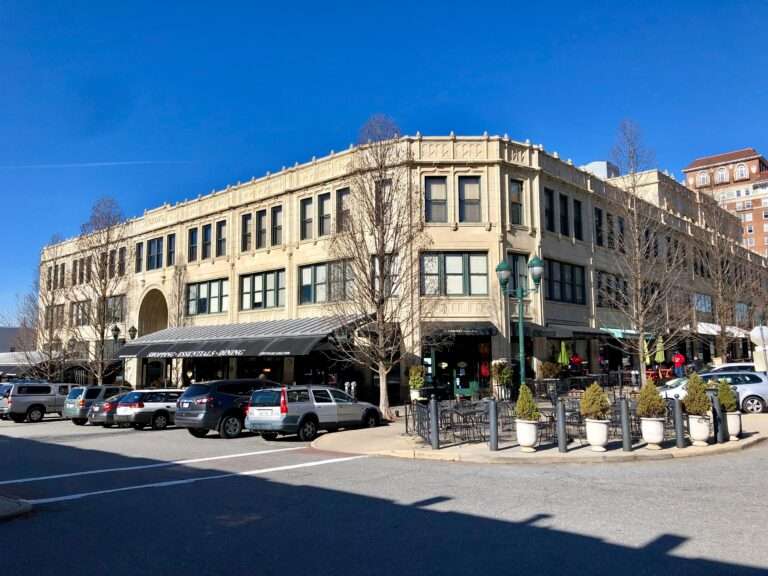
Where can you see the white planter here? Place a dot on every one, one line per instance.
(597, 434)
(653, 432)
(415, 394)
(527, 434)
(734, 425)
(698, 427)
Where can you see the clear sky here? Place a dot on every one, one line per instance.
(160, 101)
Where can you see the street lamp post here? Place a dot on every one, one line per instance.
(504, 273)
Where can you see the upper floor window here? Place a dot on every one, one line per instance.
(209, 297)
(578, 224)
(469, 199)
(516, 202)
(313, 286)
(611, 232)
(154, 254)
(342, 209)
(221, 238)
(115, 309)
(170, 250)
(206, 249)
(122, 255)
(246, 235)
(741, 172)
(139, 257)
(565, 220)
(721, 176)
(519, 277)
(192, 245)
(340, 281)
(454, 274)
(262, 290)
(436, 199)
(277, 225)
(324, 214)
(79, 313)
(702, 302)
(564, 282)
(261, 229)
(305, 215)
(112, 266)
(549, 210)
(702, 178)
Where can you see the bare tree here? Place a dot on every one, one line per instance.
(99, 282)
(379, 235)
(647, 292)
(176, 296)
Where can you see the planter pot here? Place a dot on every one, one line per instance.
(734, 425)
(597, 434)
(698, 427)
(527, 434)
(415, 394)
(653, 432)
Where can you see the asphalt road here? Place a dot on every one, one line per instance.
(126, 502)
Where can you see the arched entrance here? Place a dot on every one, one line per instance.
(153, 316)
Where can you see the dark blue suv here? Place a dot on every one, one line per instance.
(217, 405)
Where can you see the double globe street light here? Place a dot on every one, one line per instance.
(504, 273)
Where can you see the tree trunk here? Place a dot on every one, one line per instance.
(386, 412)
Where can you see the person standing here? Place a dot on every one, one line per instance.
(679, 361)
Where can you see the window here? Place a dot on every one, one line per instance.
(79, 313)
(750, 229)
(340, 397)
(74, 273)
(112, 266)
(702, 302)
(741, 312)
(342, 209)
(122, 254)
(549, 210)
(611, 290)
(208, 297)
(298, 396)
(245, 232)
(262, 290)
(516, 202)
(611, 231)
(721, 175)
(261, 229)
(578, 225)
(519, 265)
(206, 251)
(341, 281)
(702, 178)
(741, 172)
(115, 309)
(313, 284)
(747, 204)
(324, 214)
(192, 245)
(436, 199)
(564, 216)
(139, 257)
(321, 396)
(747, 217)
(749, 242)
(454, 274)
(564, 282)
(221, 238)
(391, 276)
(621, 235)
(154, 254)
(469, 199)
(277, 225)
(305, 214)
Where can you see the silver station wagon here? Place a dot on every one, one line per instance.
(304, 410)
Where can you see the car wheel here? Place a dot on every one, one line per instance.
(160, 421)
(18, 418)
(370, 419)
(753, 405)
(198, 432)
(307, 430)
(79, 421)
(137, 426)
(230, 427)
(269, 436)
(107, 425)
(35, 414)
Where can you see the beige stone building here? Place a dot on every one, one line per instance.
(236, 283)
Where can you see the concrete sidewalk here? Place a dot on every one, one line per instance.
(10, 508)
(391, 441)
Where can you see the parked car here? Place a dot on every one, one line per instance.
(304, 410)
(143, 408)
(30, 401)
(217, 405)
(81, 399)
(734, 367)
(102, 412)
(751, 387)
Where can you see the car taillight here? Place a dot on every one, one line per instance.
(283, 401)
(134, 405)
(81, 403)
(107, 406)
(207, 401)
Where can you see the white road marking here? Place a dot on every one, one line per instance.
(192, 480)
(146, 466)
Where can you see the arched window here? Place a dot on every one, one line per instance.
(721, 176)
(703, 178)
(741, 172)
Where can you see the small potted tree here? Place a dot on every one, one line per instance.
(697, 406)
(651, 408)
(415, 381)
(502, 376)
(594, 408)
(732, 415)
(527, 420)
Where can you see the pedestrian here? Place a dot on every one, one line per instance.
(679, 361)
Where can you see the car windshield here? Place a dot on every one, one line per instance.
(132, 397)
(75, 393)
(265, 398)
(92, 393)
(196, 390)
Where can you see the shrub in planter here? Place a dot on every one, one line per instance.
(502, 376)
(415, 380)
(697, 406)
(728, 401)
(550, 370)
(652, 409)
(527, 415)
(595, 408)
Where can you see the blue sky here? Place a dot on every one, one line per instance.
(159, 101)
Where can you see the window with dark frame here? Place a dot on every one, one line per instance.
(599, 240)
(519, 277)
(324, 214)
(436, 199)
(454, 274)
(261, 229)
(192, 245)
(611, 243)
(154, 254)
(262, 290)
(469, 199)
(313, 284)
(515, 202)
(206, 249)
(139, 257)
(578, 222)
(549, 210)
(246, 235)
(277, 225)
(221, 238)
(342, 209)
(211, 297)
(564, 282)
(565, 219)
(170, 248)
(122, 255)
(305, 215)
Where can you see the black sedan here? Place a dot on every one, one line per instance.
(103, 411)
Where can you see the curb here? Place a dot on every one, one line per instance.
(636, 456)
(11, 508)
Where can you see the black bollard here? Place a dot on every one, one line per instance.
(720, 421)
(434, 423)
(493, 424)
(562, 434)
(679, 428)
(626, 434)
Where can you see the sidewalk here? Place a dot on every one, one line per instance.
(392, 441)
(10, 508)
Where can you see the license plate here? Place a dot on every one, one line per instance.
(96, 408)
(264, 412)
(70, 405)
(185, 404)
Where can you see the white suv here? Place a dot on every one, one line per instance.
(142, 408)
